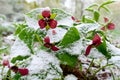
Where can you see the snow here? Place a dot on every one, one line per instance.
(114, 50)
(76, 48)
(58, 36)
(40, 64)
(19, 48)
(70, 77)
(66, 21)
(85, 28)
(31, 22)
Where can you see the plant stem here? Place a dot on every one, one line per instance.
(2, 71)
(89, 66)
(112, 74)
(101, 69)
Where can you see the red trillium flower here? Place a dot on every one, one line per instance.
(106, 19)
(22, 71)
(46, 21)
(109, 26)
(14, 69)
(50, 45)
(5, 62)
(76, 20)
(95, 42)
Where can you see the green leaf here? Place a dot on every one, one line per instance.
(19, 27)
(83, 19)
(71, 36)
(18, 58)
(40, 16)
(105, 3)
(53, 16)
(2, 49)
(88, 20)
(103, 49)
(106, 8)
(94, 5)
(27, 35)
(67, 59)
(96, 16)
(60, 14)
(90, 10)
(8, 76)
(17, 76)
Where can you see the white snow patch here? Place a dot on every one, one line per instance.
(71, 77)
(19, 48)
(66, 21)
(76, 48)
(114, 50)
(85, 28)
(31, 22)
(58, 36)
(41, 63)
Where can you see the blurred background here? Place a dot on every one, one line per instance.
(12, 11)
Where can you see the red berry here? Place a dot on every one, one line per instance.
(46, 13)
(23, 71)
(54, 48)
(42, 23)
(52, 23)
(111, 26)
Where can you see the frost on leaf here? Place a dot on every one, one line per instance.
(85, 28)
(31, 22)
(19, 48)
(43, 63)
(58, 36)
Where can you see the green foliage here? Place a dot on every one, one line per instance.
(105, 3)
(67, 59)
(96, 16)
(95, 10)
(53, 16)
(17, 76)
(87, 19)
(71, 36)
(2, 50)
(103, 49)
(26, 34)
(19, 58)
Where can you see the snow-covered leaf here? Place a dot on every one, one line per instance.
(60, 14)
(19, 48)
(59, 34)
(31, 22)
(86, 27)
(27, 35)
